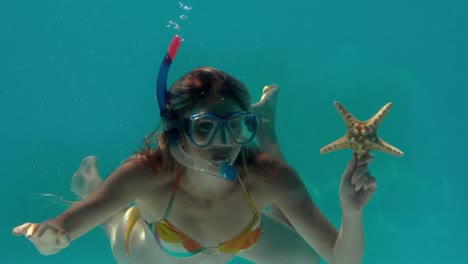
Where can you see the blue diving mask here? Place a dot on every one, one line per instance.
(202, 128)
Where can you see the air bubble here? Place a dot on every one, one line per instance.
(174, 25)
(185, 7)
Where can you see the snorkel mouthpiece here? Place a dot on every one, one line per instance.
(228, 172)
(225, 171)
(171, 127)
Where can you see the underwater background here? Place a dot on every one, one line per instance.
(78, 78)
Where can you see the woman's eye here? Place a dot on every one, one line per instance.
(205, 126)
(235, 125)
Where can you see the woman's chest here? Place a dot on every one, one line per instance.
(209, 221)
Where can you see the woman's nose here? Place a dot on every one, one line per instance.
(222, 137)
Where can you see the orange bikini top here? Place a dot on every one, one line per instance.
(176, 243)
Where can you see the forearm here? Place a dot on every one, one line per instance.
(349, 245)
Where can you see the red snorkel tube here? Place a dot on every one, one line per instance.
(161, 88)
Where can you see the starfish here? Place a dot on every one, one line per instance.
(362, 136)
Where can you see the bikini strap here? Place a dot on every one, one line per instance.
(174, 190)
(176, 186)
(247, 195)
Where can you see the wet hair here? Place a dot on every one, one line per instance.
(190, 91)
(202, 83)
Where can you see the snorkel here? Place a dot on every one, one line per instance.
(171, 127)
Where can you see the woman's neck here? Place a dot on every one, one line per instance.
(205, 186)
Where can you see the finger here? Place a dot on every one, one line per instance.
(359, 184)
(350, 169)
(366, 159)
(269, 89)
(31, 230)
(63, 239)
(19, 230)
(270, 92)
(370, 184)
(360, 171)
(47, 227)
(265, 95)
(44, 227)
(255, 105)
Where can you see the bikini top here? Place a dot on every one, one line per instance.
(176, 243)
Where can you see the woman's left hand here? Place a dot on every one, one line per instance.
(357, 184)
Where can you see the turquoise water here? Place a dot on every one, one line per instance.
(77, 78)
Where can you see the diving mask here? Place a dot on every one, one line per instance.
(202, 128)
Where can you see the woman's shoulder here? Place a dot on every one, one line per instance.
(147, 167)
(275, 178)
(269, 167)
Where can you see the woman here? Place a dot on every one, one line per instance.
(202, 191)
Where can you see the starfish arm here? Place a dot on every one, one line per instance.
(341, 143)
(387, 148)
(349, 119)
(375, 121)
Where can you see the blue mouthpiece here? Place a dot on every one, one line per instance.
(228, 172)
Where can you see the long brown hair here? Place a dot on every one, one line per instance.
(186, 93)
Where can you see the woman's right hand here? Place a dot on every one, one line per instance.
(265, 110)
(46, 238)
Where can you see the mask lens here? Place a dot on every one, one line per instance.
(203, 129)
(243, 127)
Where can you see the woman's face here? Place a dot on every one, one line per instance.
(223, 148)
